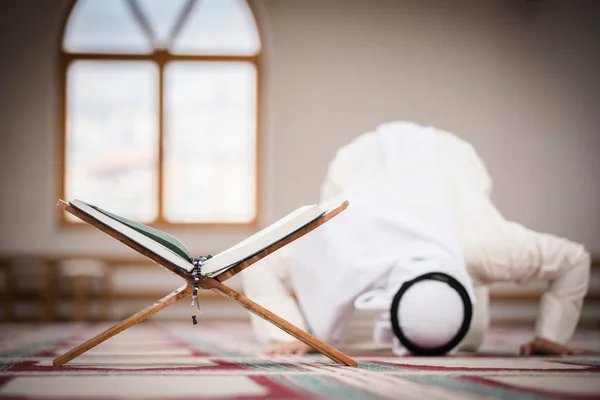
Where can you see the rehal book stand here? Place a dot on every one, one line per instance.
(210, 281)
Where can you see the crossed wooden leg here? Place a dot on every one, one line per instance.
(226, 291)
(262, 312)
(166, 301)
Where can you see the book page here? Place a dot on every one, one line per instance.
(151, 239)
(261, 240)
(169, 241)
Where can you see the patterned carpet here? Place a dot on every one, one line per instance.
(180, 361)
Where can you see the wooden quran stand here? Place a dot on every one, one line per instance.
(215, 284)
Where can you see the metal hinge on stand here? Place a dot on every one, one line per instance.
(197, 274)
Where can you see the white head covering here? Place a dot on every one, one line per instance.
(430, 314)
(431, 308)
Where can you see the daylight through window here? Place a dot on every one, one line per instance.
(161, 109)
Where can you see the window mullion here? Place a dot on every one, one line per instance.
(161, 140)
(181, 20)
(142, 21)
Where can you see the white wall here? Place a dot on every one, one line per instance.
(519, 79)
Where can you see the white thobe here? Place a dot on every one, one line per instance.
(399, 225)
(495, 250)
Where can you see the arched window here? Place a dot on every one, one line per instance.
(161, 109)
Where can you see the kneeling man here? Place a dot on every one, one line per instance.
(419, 213)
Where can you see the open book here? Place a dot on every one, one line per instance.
(171, 249)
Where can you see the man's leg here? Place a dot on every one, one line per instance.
(480, 323)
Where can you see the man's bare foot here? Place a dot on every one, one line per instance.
(287, 348)
(541, 346)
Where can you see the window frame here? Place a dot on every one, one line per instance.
(161, 58)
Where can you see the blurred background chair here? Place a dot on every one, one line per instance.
(89, 279)
(7, 292)
(28, 288)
